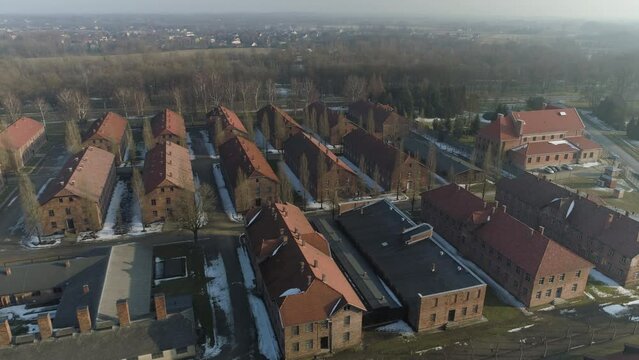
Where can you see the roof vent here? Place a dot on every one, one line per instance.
(562, 113)
(441, 253)
(433, 267)
(70, 169)
(459, 268)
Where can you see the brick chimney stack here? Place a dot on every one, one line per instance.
(84, 319)
(45, 326)
(85, 289)
(541, 229)
(5, 333)
(160, 306)
(124, 317)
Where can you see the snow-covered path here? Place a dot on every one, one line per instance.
(501, 293)
(219, 297)
(370, 183)
(209, 146)
(227, 203)
(297, 186)
(247, 270)
(108, 230)
(259, 141)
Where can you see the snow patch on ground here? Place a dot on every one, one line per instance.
(589, 296)
(598, 276)
(220, 297)
(227, 203)
(189, 142)
(108, 230)
(260, 141)
(20, 312)
(549, 308)
(247, 269)
(267, 342)
(297, 186)
(209, 146)
(398, 327)
(520, 328)
(567, 311)
(32, 242)
(370, 183)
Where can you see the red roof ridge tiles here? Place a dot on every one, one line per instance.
(168, 162)
(110, 126)
(19, 133)
(232, 119)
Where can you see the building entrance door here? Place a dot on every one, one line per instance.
(324, 343)
(451, 315)
(70, 224)
(558, 292)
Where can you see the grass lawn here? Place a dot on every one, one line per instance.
(194, 285)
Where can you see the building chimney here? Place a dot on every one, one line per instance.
(315, 263)
(7, 271)
(5, 333)
(160, 306)
(45, 326)
(503, 208)
(541, 229)
(85, 289)
(309, 279)
(124, 317)
(84, 318)
(323, 277)
(433, 267)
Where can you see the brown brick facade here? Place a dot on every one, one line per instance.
(159, 204)
(454, 307)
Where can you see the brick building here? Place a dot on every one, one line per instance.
(534, 139)
(281, 125)
(388, 124)
(337, 176)
(260, 185)
(531, 266)
(108, 133)
(582, 223)
(227, 121)
(21, 140)
(168, 179)
(336, 121)
(313, 307)
(78, 198)
(168, 125)
(380, 160)
(436, 290)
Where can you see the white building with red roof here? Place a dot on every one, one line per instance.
(535, 139)
(21, 140)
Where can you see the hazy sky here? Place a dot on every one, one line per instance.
(499, 8)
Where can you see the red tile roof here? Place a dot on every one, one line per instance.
(168, 162)
(241, 153)
(584, 143)
(228, 117)
(540, 148)
(457, 203)
(526, 248)
(500, 129)
(547, 121)
(110, 126)
(19, 133)
(85, 175)
(299, 273)
(168, 121)
(304, 143)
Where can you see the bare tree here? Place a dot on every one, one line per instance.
(140, 101)
(177, 97)
(398, 168)
(303, 174)
(75, 104)
(415, 185)
(249, 124)
(137, 183)
(280, 130)
(271, 91)
(286, 190)
(256, 90)
(216, 89)
(192, 213)
(322, 180)
(130, 143)
(230, 91)
(31, 209)
(377, 178)
(201, 90)
(431, 163)
(219, 134)
(266, 132)
(147, 135)
(72, 137)
(43, 107)
(324, 127)
(308, 91)
(244, 88)
(354, 88)
(241, 194)
(123, 96)
(12, 106)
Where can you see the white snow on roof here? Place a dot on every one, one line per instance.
(293, 291)
(570, 208)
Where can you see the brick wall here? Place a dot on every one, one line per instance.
(455, 307)
(546, 288)
(159, 204)
(257, 190)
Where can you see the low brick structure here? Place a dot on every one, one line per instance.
(78, 198)
(21, 139)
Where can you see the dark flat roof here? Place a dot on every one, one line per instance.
(377, 230)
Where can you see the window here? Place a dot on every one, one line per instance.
(171, 188)
(624, 260)
(161, 190)
(562, 277)
(309, 327)
(478, 294)
(529, 160)
(51, 213)
(309, 344)
(541, 281)
(346, 337)
(155, 213)
(347, 320)
(557, 157)
(54, 225)
(436, 302)
(561, 136)
(464, 311)
(60, 199)
(578, 274)
(295, 330)
(548, 158)
(534, 138)
(467, 295)
(433, 317)
(538, 295)
(552, 137)
(548, 292)
(565, 156)
(475, 309)
(525, 139)
(296, 347)
(67, 211)
(551, 279)
(70, 198)
(543, 137)
(168, 201)
(153, 202)
(157, 355)
(591, 154)
(538, 158)
(574, 287)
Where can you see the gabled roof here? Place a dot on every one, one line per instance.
(110, 126)
(500, 129)
(273, 110)
(168, 121)
(19, 133)
(529, 249)
(299, 273)
(168, 162)
(549, 147)
(532, 190)
(303, 143)
(584, 143)
(362, 109)
(457, 203)
(229, 118)
(241, 153)
(546, 121)
(84, 175)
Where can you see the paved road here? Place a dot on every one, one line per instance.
(597, 132)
